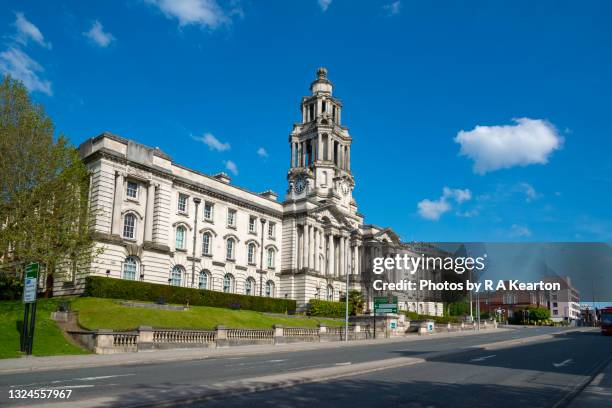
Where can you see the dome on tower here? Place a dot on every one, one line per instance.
(321, 84)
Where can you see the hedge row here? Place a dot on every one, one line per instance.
(437, 319)
(11, 287)
(326, 308)
(102, 287)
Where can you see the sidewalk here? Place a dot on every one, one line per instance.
(598, 393)
(31, 363)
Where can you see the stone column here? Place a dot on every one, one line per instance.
(306, 256)
(356, 260)
(117, 202)
(348, 158)
(342, 256)
(331, 262)
(292, 155)
(300, 250)
(320, 148)
(312, 246)
(149, 214)
(317, 242)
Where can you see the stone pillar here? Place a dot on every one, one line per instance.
(145, 338)
(342, 256)
(330, 148)
(300, 251)
(221, 336)
(317, 243)
(348, 158)
(149, 213)
(117, 202)
(320, 148)
(104, 343)
(292, 164)
(331, 261)
(306, 257)
(311, 247)
(357, 260)
(278, 334)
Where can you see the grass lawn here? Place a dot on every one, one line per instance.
(97, 313)
(48, 338)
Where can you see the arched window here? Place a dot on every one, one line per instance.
(271, 256)
(180, 237)
(249, 286)
(130, 266)
(206, 240)
(228, 283)
(176, 275)
(204, 278)
(270, 288)
(230, 245)
(251, 253)
(330, 293)
(129, 226)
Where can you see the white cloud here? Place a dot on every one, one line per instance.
(528, 141)
(324, 4)
(212, 142)
(519, 231)
(205, 13)
(261, 152)
(27, 31)
(98, 36)
(434, 209)
(393, 9)
(231, 167)
(527, 189)
(19, 65)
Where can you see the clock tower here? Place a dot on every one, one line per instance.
(320, 165)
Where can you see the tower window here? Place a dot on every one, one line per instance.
(311, 111)
(334, 113)
(323, 106)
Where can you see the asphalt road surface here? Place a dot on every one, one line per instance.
(536, 374)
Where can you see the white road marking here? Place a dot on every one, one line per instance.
(275, 361)
(344, 364)
(563, 364)
(482, 358)
(102, 377)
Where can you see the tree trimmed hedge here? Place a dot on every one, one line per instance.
(326, 308)
(103, 287)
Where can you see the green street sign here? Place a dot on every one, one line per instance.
(30, 284)
(383, 305)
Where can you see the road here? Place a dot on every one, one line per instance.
(535, 374)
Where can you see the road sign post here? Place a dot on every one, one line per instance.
(30, 287)
(383, 306)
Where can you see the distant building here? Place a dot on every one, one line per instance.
(564, 304)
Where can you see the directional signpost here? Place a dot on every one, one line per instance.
(30, 287)
(382, 306)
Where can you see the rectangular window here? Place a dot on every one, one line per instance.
(271, 230)
(252, 224)
(182, 203)
(231, 218)
(555, 304)
(555, 312)
(323, 106)
(132, 189)
(208, 211)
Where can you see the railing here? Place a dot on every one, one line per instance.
(300, 332)
(169, 336)
(252, 334)
(125, 340)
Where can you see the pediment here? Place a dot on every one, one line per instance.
(329, 213)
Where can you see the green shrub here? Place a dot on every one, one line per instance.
(11, 287)
(102, 287)
(326, 308)
(437, 319)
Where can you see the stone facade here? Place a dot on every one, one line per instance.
(160, 222)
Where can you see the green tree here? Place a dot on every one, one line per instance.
(44, 191)
(356, 302)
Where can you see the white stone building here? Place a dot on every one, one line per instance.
(160, 222)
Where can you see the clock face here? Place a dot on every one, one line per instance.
(299, 185)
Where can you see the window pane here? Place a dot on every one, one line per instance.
(203, 280)
(129, 226)
(206, 244)
(175, 278)
(182, 203)
(129, 268)
(132, 189)
(180, 237)
(230, 249)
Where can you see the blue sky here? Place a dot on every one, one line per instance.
(416, 78)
